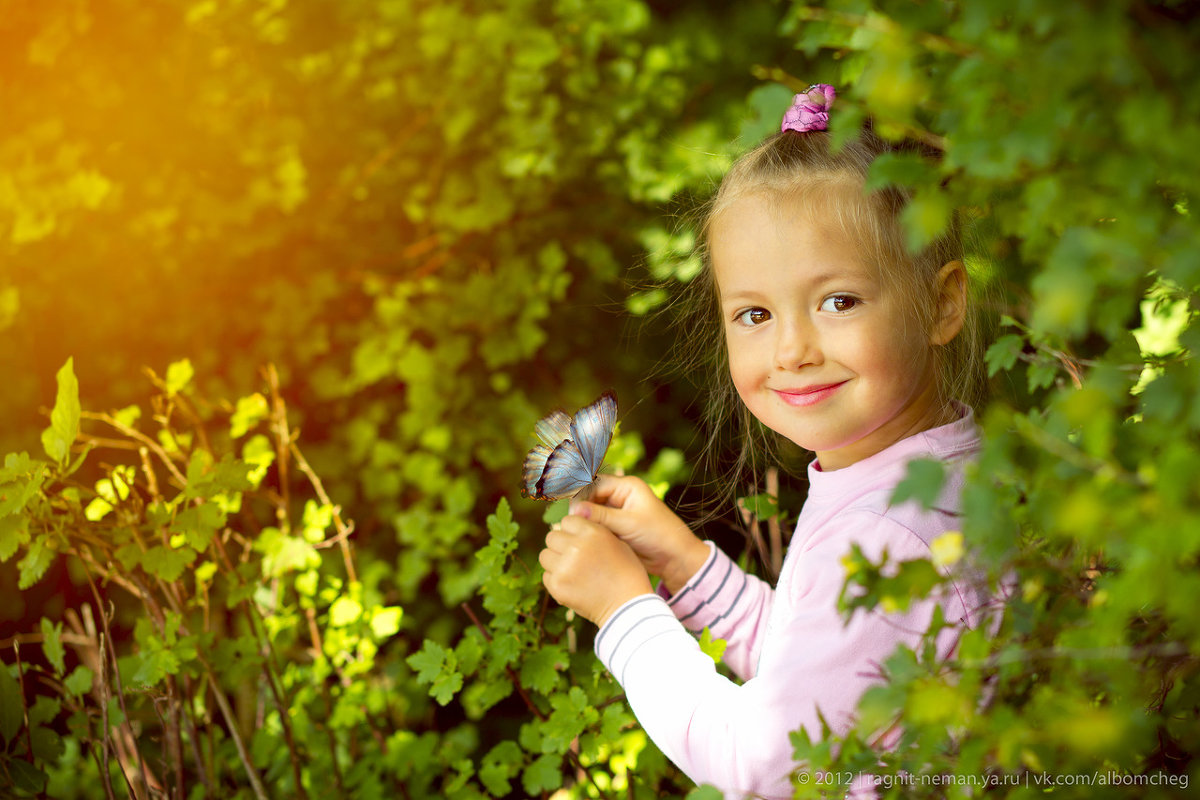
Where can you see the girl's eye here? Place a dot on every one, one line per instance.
(839, 303)
(753, 316)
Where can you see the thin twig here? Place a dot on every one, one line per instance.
(106, 743)
(36, 638)
(231, 721)
(133, 433)
(773, 532)
(342, 528)
(24, 708)
(117, 678)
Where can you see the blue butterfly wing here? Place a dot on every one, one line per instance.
(554, 428)
(592, 431)
(565, 473)
(571, 450)
(535, 465)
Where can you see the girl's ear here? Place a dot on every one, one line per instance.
(951, 309)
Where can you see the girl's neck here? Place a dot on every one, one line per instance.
(927, 411)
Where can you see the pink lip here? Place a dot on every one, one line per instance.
(808, 396)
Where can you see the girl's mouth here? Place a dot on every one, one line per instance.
(809, 395)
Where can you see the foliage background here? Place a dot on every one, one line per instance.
(437, 221)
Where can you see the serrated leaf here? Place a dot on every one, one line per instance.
(64, 419)
(35, 563)
(52, 645)
(921, 482)
(500, 524)
(543, 775)
(437, 667)
(167, 563)
(179, 375)
(198, 524)
(249, 412)
(1003, 353)
(153, 666)
(79, 681)
(540, 669)
(499, 765)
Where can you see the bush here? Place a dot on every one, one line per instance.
(422, 214)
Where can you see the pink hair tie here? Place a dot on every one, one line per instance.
(810, 110)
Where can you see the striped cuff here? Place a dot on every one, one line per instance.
(640, 620)
(711, 594)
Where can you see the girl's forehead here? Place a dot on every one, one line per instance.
(829, 229)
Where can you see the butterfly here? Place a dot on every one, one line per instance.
(571, 450)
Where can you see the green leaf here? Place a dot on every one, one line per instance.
(198, 524)
(713, 648)
(283, 553)
(249, 412)
(36, 561)
(12, 707)
(47, 745)
(12, 534)
(437, 667)
(1003, 353)
(762, 506)
(925, 218)
(167, 562)
(79, 681)
(922, 482)
(26, 776)
(500, 524)
(345, 611)
(179, 375)
(499, 765)
(154, 665)
(64, 419)
(543, 775)
(907, 170)
(385, 622)
(540, 669)
(52, 645)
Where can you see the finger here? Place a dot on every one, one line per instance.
(617, 520)
(575, 525)
(611, 490)
(557, 539)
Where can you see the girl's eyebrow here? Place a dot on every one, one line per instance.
(820, 279)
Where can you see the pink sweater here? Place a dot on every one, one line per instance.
(789, 645)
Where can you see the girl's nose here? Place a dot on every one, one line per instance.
(797, 345)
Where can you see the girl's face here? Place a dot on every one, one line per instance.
(819, 349)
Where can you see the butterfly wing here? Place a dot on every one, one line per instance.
(571, 450)
(565, 473)
(592, 431)
(535, 465)
(553, 429)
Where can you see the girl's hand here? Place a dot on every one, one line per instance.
(590, 570)
(663, 542)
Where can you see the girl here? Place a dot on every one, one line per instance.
(839, 339)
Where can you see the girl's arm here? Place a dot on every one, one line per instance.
(815, 666)
(703, 587)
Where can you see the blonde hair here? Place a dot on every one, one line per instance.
(829, 186)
